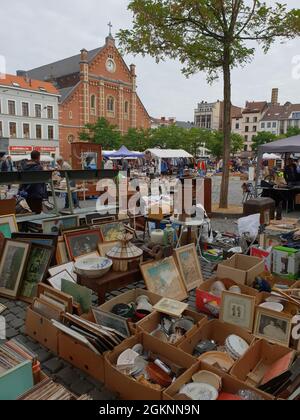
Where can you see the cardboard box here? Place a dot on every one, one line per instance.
(151, 322)
(42, 330)
(214, 330)
(211, 304)
(230, 385)
(128, 388)
(289, 308)
(255, 363)
(286, 262)
(129, 297)
(81, 357)
(241, 268)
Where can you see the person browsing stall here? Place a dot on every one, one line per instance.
(34, 193)
(290, 172)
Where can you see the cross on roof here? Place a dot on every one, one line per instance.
(110, 28)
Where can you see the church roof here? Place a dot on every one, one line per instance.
(61, 68)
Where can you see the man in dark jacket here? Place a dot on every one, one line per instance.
(34, 193)
(3, 163)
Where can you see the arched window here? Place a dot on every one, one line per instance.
(71, 139)
(126, 107)
(93, 104)
(111, 104)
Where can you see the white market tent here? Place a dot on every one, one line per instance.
(169, 153)
(19, 158)
(160, 154)
(271, 156)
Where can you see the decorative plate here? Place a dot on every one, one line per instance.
(200, 392)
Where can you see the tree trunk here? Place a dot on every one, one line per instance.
(226, 129)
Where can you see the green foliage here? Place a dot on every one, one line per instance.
(102, 132)
(137, 139)
(263, 138)
(216, 144)
(293, 131)
(198, 32)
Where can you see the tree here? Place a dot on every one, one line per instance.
(211, 36)
(102, 132)
(137, 139)
(293, 131)
(195, 138)
(216, 144)
(262, 138)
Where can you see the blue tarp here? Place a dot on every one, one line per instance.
(123, 153)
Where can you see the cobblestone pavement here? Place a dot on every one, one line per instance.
(75, 380)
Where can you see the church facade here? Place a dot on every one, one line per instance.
(92, 85)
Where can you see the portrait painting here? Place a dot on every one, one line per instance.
(82, 242)
(237, 309)
(163, 278)
(8, 225)
(36, 270)
(189, 266)
(273, 327)
(12, 267)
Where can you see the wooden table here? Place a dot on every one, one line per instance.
(111, 281)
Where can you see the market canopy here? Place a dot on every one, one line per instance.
(169, 153)
(123, 153)
(287, 145)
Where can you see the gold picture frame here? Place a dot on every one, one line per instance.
(274, 327)
(164, 279)
(238, 309)
(189, 266)
(8, 225)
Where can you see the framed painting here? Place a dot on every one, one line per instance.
(237, 309)
(61, 251)
(12, 267)
(273, 327)
(111, 232)
(8, 225)
(189, 266)
(36, 270)
(82, 242)
(37, 238)
(163, 278)
(59, 224)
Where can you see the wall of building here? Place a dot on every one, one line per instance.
(32, 98)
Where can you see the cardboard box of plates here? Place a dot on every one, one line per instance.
(218, 332)
(228, 387)
(128, 388)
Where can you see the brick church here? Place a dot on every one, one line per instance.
(94, 84)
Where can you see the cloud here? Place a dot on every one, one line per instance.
(34, 33)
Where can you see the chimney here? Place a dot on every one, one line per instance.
(132, 69)
(275, 95)
(83, 56)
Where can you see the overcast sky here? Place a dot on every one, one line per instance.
(36, 32)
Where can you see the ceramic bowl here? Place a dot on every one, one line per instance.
(223, 360)
(93, 267)
(209, 378)
(200, 392)
(272, 306)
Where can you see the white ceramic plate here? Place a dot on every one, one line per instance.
(236, 346)
(200, 392)
(272, 306)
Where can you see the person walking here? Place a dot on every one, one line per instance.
(34, 193)
(63, 165)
